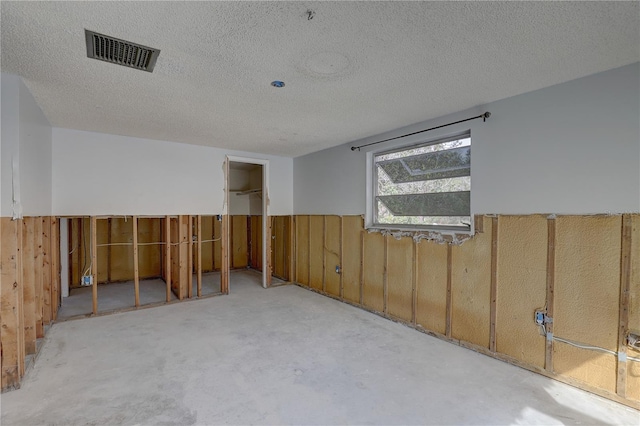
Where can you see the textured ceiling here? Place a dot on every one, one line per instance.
(356, 69)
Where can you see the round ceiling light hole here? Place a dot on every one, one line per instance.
(277, 83)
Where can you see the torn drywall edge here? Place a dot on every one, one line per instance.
(439, 237)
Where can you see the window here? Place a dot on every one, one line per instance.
(425, 186)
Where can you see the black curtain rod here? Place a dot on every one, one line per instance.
(484, 117)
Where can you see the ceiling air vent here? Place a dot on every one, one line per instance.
(120, 52)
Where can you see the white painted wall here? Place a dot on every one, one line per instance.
(100, 174)
(35, 157)
(10, 134)
(255, 200)
(573, 148)
(239, 181)
(26, 137)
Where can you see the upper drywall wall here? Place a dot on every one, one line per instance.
(10, 95)
(25, 152)
(573, 148)
(100, 174)
(35, 157)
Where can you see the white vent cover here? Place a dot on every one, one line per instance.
(120, 52)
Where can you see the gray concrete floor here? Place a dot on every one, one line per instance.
(115, 296)
(284, 355)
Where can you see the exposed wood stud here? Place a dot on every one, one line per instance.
(224, 274)
(189, 256)
(324, 253)
(625, 288)
(361, 267)
(551, 261)
(167, 249)
(20, 294)
(136, 271)
(385, 276)
(479, 223)
(109, 266)
(55, 267)
(38, 281)
(269, 267)
(309, 250)
(414, 283)
(46, 270)
(199, 254)
(10, 318)
(341, 258)
(94, 262)
(494, 283)
(292, 249)
(29, 287)
(449, 294)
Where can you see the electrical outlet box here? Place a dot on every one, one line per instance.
(337, 269)
(219, 218)
(540, 316)
(87, 280)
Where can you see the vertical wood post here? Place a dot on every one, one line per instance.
(94, 262)
(494, 283)
(167, 253)
(38, 282)
(224, 247)
(385, 277)
(449, 294)
(199, 253)
(625, 288)
(190, 256)
(414, 283)
(10, 319)
(324, 253)
(269, 250)
(29, 286)
(20, 295)
(551, 265)
(109, 225)
(341, 260)
(136, 271)
(361, 284)
(292, 249)
(47, 280)
(55, 267)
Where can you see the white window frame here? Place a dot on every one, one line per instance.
(371, 183)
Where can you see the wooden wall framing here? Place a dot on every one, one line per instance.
(29, 290)
(583, 271)
(115, 249)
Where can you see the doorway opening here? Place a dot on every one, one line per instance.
(247, 234)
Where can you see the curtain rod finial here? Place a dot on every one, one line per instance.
(486, 115)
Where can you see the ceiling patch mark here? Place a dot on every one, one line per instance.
(327, 64)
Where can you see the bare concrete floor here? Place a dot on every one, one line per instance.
(115, 296)
(279, 356)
